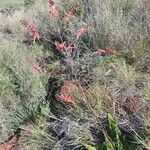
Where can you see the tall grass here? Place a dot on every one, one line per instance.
(108, 64)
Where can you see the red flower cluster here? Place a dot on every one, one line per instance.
(63, 95)
(53, 11)
(105, 51)
(9, 144)
(31, 29)
(35, 65)
(82, 29)
(64, 46)
(60, 46)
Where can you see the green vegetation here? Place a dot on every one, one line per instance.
(75, 75)
(5, 3)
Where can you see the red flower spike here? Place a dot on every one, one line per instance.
(82, 29)
(59, 46)
(9, 144)
(35, 34)
(107, 50)
(64, 95)
(35, 66)
(65, 98)
(63, 47)
(110, 49)
(100, 52)
(70, 47)
(30, 29)
(53, 11)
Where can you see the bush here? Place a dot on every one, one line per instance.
(66, 65)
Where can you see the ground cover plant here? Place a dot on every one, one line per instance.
(75, 75)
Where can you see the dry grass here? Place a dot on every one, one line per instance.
(116, 83)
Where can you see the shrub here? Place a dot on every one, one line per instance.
(102, 49)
